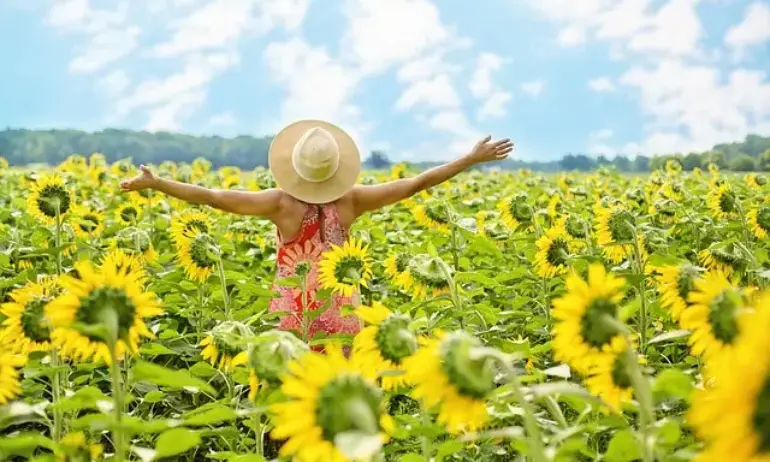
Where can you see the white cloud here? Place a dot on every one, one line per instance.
(106, 47)
(753, 30)
(114, 83)
(481, 81)
(602, 85)
(534, 88)
(602, 134)
(435, 92)
(224, 119)
(381, 34)
(172, 98)
(494, 105)
(693, 107)
(674, 29)
(221, 23)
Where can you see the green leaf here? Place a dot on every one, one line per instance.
(23, 445)
(154, 396)
(176, 441)
(671, 335)
(291, 281)
(623, 448)
(203, 370)
(447, 448)
(156, 349)
(178, 379)
(673, 383)
(211, 416)
(669, 432)
(411, 457)
(246, 458)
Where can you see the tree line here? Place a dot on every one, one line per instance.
(24, 147)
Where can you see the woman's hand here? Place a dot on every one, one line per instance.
(144, 180)
(487, 150)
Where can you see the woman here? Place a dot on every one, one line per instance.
(316, 166)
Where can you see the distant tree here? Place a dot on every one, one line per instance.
(714, 157)
(577, 162)
(622, 164)
(742, 163)
(377, 160)
(763, 162)
(691, 160)
(641, 163)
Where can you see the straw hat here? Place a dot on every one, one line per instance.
(314, 161)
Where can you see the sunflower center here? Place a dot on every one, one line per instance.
(88, 223)
(620, 224)
(593, 327)
(722, 315)
(51, 198)
(402, 262)
(394, 339)
(33, 321)
(763, 218)
(199, 251)
(348, 404)
(620, 375)
(685, 281)
(225, 348)
(472, 376)
(761, 418)
(93, 306)
(727, 202)
(129, 214)
(196, 224)
(558, 252)
(349, 270)
(438, 212)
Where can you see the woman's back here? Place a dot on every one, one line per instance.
(320, 229)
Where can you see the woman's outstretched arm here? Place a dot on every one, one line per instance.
(263, 203)
(367, 198)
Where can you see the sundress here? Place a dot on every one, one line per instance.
(320, 229)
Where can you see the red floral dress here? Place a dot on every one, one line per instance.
(320, 229)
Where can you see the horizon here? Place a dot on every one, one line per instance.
(605, 78)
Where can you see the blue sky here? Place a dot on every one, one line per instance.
(420, 79)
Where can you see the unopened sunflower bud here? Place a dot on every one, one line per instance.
(471, 373)
(394, 338)
(271, 352)
(224, 345)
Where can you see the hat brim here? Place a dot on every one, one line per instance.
(343, 180)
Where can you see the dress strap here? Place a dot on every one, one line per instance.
(321, 222)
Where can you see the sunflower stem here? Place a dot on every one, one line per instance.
(642, 293)
(259, 435)
(117, 393)
(56, 377)
(427, 445)
(223, 280)
(644, 396)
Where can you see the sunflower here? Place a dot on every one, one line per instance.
(428, 276)
(76, 448)
(759, 221)
(715, 316)
(25, 328)
(344, 269)
(732, 415)
(221, 349)
(434, 214)
(185, 223)
(720, 259)
(197, 256)
(675, 282)
(397, 268)
(609, 379)
(88, 222)
(120, 260)
(384, 343)
(614, 231)
(754, 181)
(136, 242)
(329, 397)
(49, 194)
(516, 213)
(722, 202)
(129, 213)
(87, 300)
(10, 384)
(580, 335)
(231, 181)
(270, 354)
(574, 225)
(673, 167)
(713, 168)
(446, 373)
(553, 250)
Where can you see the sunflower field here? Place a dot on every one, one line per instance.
(508, 316)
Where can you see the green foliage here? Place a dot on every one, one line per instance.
(743, 163)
